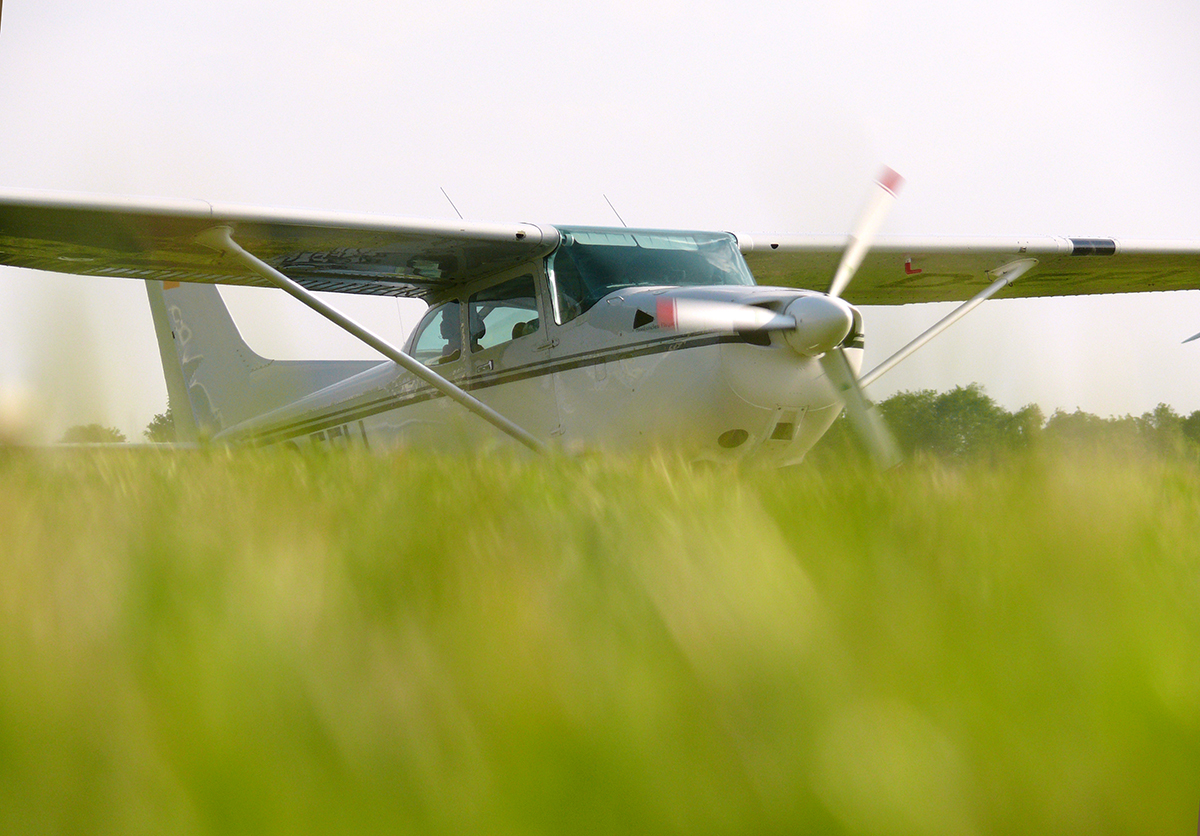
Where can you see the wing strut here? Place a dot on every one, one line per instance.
(220, 238)
(1005, 276)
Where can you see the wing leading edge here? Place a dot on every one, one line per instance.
(149, 239)
(899, 271)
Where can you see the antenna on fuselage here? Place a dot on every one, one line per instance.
(451, 202)
(615, 212)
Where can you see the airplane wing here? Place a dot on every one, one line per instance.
(898, 271)
(154, 239)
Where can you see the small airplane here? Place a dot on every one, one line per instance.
(734, 347)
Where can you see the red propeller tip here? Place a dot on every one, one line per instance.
(890, 180)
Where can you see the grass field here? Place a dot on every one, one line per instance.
(261, 643)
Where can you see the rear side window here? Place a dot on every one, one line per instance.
(505, 312)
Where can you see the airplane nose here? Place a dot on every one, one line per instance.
(822, 322)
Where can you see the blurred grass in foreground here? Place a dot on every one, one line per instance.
(263, 643)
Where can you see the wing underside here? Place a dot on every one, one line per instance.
(146, 239)
(901, 271)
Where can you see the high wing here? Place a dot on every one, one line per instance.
(155, 239)
(898, 271)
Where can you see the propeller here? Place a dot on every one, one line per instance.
(814, 326)
(862, 414)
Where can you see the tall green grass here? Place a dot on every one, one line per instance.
(245, 642)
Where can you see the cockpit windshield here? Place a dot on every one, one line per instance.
(589, 264)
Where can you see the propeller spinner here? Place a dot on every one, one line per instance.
(811, 325)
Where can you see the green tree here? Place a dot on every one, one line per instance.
(911, 418)
(1191, 427)
(1162, 430)
(161, 427)
(961, 423)
(1024, 428)
(92, 434)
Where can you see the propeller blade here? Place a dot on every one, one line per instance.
(880, 202)
(712, 315)
(868, 423)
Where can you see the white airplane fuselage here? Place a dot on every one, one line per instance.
(594, 382)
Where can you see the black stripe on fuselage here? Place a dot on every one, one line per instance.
(367, 408)
(1093, 246)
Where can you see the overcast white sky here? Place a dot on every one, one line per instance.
(1027, 117)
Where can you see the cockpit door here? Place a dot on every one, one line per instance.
(508, 362)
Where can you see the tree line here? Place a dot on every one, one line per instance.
(965, 423)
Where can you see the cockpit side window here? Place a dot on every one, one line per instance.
(439, 335)
(502, 313)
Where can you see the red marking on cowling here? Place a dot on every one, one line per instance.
(909, 270)
(665, 311)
